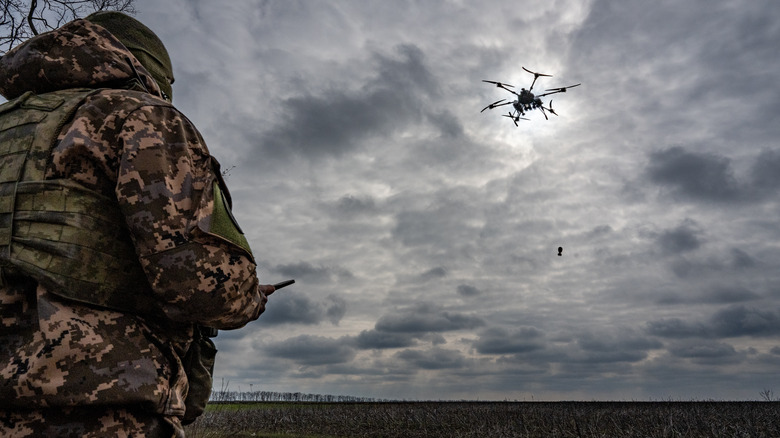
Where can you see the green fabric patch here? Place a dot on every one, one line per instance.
(223, 224)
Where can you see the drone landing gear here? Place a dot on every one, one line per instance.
(515, 118)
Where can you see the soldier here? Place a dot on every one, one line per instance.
(118, 252)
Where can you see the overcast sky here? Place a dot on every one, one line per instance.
(423, 234)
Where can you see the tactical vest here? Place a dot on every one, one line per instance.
(68, 237)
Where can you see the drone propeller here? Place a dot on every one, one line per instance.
(495, 104)
(498, 84)
(550, 109)
(536, 76)
(535, 73)
(544, 113)
(562, 89)
(559, 90)
(502, 85)
(515, 118)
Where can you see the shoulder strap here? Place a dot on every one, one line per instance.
(61, 106)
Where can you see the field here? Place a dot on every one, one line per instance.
(488, 419)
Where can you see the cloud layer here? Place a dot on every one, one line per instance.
(423, 234)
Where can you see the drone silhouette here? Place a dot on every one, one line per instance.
(526, 100)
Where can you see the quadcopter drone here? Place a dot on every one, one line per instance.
(526, 100)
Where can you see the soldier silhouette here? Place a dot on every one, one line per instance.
(118, 253)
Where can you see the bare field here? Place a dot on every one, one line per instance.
(489, 419)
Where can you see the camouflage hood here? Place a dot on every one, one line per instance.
(78, 54)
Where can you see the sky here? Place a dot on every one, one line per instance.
(423, 234)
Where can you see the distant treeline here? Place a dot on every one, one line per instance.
(224, 396)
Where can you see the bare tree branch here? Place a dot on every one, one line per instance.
(20, 20)
(33, 6)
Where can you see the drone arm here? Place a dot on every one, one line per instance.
(507, 89)
(534, 82)
(495, 105)
(551, 92)
(559, 90)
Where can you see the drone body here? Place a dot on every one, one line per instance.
(526, 100)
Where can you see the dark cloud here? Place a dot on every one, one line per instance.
(743, 321)
(705, 351)
(765, 173)
(730, 322)
(406, 325)
(312, 350)
(681, 239)
(683, 268)
(710, 177)
(468, 290)
(447, 124)
(419, 228)
(336, 121)
(724, 295)
(603, 347)
(580, 361)
(600, 231)
(697, 176)
(435, 225)
(742, 260)
(335, 308)
(733, 262)
(293, 308)
(720, 294)
(674, 328)
(298, 308)
(623, 341)
(312, 274)
(432, 359)
(378, 339)
(434, 273)
(499, 340)
(352, 205)
(424, 317)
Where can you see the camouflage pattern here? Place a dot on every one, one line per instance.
(70, 238)
(127, 144)
(90, 422)
(79, 54)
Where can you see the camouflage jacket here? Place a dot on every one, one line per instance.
(129, 145)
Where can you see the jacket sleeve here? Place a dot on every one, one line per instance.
(166, 187)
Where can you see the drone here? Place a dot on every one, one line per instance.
(526, 100)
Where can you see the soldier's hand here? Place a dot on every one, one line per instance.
(267, 289)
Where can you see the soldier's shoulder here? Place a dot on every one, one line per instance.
(126, 99)
(115, 106)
